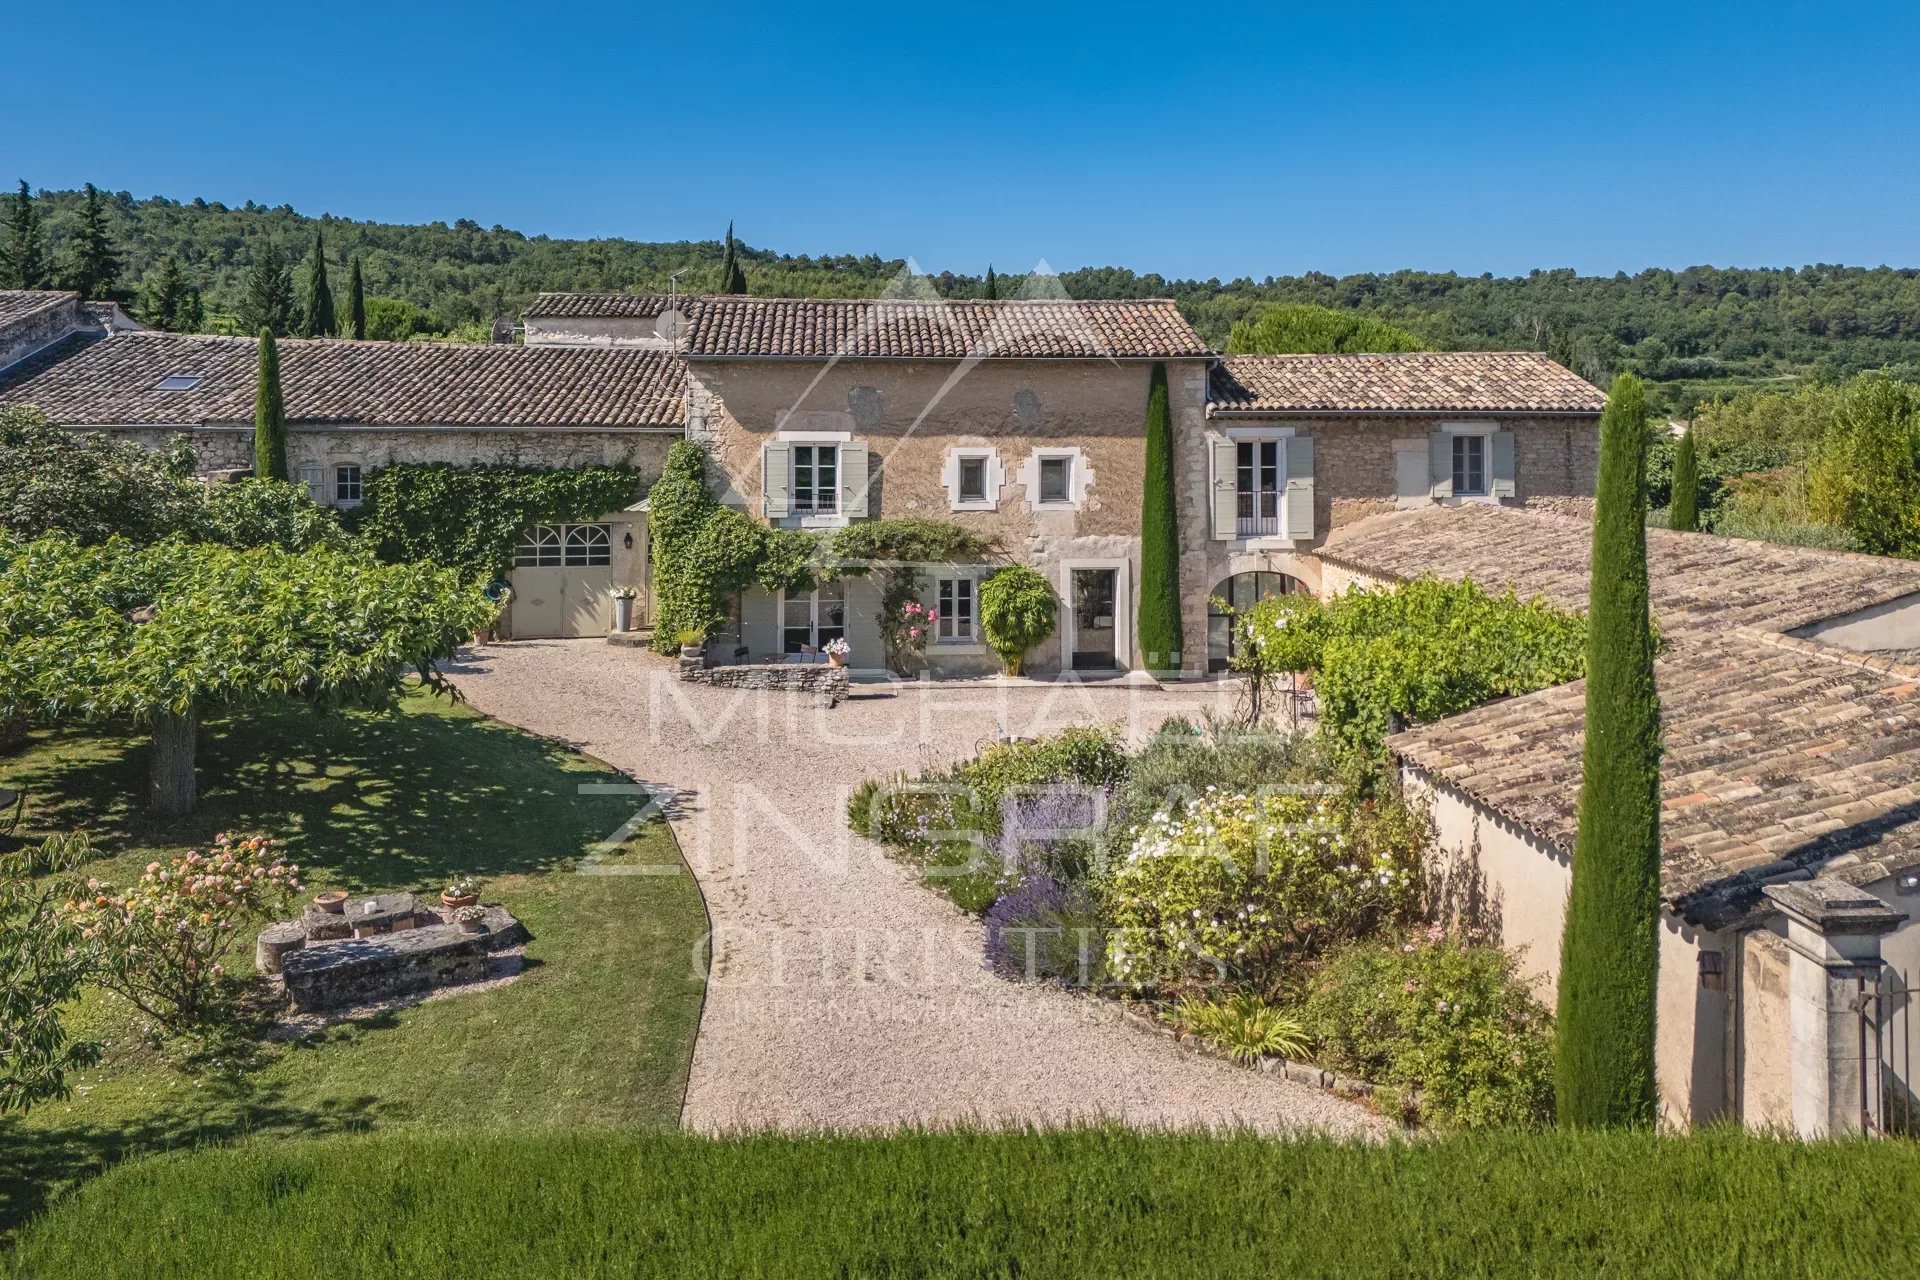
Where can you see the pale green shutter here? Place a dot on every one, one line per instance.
(1299, 451)
(1226, 507)
(853, 479)
(776, 481)
(1440, 463)
(1503, 465)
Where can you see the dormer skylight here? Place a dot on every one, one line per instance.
(178, 382)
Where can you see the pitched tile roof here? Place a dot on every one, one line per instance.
(601, 306)
(1783, 757)
(18, 304)
(1410, 382)
(115, 380)
(937, 329)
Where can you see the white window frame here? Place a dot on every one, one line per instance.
(993, 475)
(314, 476)
(971, 641)
(1123, 609)
(339, 481)
(1079, 478)
(812, 597)
(1484, 430)
(835, 519)
(1278, 540)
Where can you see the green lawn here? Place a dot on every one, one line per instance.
(598, 1031)
(1090, 1203)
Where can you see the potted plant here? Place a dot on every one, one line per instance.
(836, 650)
(463, 892)
(333, 901)
(693, 643)
(471, 919)
(623, 598)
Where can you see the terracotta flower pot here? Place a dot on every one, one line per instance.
(463, 900)
(836, 659)
(334, 900)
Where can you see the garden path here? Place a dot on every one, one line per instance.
(843, 993)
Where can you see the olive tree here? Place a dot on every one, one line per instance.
(161, 636)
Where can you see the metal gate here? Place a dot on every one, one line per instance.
(1885, 1005)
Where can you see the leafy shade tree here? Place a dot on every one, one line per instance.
(1684, 511)
(269, 414)
(991, 290)
(23, 262)
(1289, 328)
(45, 958)
(1160, 638)
(164, 304)
(92, 487)
(1018, 610)
(1865, 476)
(317, 321)
(356, 301)
(267, 302)
(92, 264)
(395, 319)
(163, 636)
(1604, 1072)
(733, 279)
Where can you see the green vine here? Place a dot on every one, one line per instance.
(470, 518)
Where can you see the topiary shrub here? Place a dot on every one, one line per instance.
(1244, 889)
(1440, 1015)
(1018, 610)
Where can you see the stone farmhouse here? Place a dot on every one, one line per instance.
(1790, 684)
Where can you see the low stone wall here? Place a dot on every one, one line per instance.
(351, 971)
(827, 682)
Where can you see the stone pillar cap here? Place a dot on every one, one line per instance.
(1834, 907)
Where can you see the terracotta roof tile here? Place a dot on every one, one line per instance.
(1411, 382)
(18, 304)
(115, 380)
(601, 306)
(870, 328)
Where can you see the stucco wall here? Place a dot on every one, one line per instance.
(911, 413)
(1518, 885)
(1763, 1069)
(1556, 464)
(584, 331)
(28, 335)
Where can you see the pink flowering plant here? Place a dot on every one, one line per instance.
(1245, 890)
(906, 626)
(163, 944)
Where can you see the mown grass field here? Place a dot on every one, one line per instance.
(1087, 1203)
(597, 1031)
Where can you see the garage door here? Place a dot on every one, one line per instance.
(562, 576)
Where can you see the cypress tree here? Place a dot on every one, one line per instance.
(267, 302)
(1684, 512)
(1159, 613)
(193, 313)
(269, 414)
(992, 291)
(319, 319)
(92, 265)
(26, 266)
(356, 301)
(732, 278)
(165, 294)
(1609, 963)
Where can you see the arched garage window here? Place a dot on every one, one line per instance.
(1238, 594)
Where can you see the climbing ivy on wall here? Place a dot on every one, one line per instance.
(469, 518)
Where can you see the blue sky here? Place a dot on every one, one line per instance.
(1190, 140)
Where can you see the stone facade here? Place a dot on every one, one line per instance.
(823, 679)
(911, 415)
(1356, 474)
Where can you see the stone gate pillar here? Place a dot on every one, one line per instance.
(1833, 946)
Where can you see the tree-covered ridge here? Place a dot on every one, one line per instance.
(1690, 332)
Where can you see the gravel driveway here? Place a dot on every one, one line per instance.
(843, 993)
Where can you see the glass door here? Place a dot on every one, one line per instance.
(1093, 619)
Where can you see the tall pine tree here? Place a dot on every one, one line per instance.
(269, 414)
(1684, 511)
(318, 321)
(1159, 620)
(356, 301)
(992, 290)
(267, 302)
(91, 261)
(1610, 956)
(23, 262)
(165, 294)
(733, 279)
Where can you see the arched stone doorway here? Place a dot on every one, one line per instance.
(1240, 593)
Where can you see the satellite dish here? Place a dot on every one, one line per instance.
(502, 329)
(670, 325)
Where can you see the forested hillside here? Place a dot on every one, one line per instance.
(1693, 333)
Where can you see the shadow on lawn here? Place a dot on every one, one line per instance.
(39, 1163)
(363, 800)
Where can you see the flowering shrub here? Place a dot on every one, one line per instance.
(162, 943)
(905, 625)
(1051, 828)
(1044, 928)
(1243, 888)
(1442, 1014)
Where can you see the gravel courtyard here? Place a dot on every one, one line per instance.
(843, 993)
